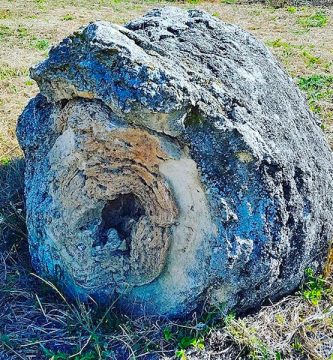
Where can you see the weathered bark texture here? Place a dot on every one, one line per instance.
(170, 163)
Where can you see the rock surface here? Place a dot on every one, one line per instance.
(173, 163)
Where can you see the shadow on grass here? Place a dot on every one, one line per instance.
(12, 208)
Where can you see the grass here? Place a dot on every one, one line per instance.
(5, 13)
(68, 17)
(7, 72)
(319, 91)
(36, 320)
(292, 9)
(299, 326)
(4, 31)
(318, 19)
(40, 44)
(229, 1)
(315, 288)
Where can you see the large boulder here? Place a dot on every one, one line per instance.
(173, 163)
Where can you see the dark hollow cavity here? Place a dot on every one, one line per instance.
(118, 218)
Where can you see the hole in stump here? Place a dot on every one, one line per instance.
(118, 218)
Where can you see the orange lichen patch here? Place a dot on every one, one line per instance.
(144, 148)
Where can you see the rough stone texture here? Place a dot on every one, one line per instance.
(173, 163)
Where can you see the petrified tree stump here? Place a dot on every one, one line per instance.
(172, 162)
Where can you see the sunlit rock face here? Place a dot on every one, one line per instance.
(173, 163)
